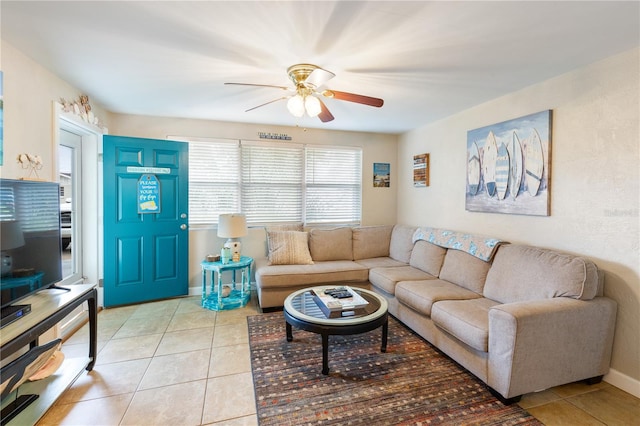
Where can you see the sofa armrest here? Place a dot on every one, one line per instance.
(535, 345)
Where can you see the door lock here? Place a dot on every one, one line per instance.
(183, 226)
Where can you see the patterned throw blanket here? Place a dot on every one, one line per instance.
(479, 246)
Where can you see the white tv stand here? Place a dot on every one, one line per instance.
(49, 307)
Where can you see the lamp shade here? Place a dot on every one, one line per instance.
(295, 105)
(232, 225)
(312, 104)
(11, 235)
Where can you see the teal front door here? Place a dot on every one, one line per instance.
(146, 238)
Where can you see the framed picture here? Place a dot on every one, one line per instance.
(508, 166)
(381, 175)
(421, 170)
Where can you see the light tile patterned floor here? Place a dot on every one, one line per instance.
(175, 363)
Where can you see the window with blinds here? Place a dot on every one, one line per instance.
(333, 185)
(271, 182)
(214, 180)
(274, 182)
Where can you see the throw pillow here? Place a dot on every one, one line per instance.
(289, 248)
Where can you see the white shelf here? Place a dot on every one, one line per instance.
(48, 307)
(48, 389)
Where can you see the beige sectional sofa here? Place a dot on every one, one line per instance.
(520, 318)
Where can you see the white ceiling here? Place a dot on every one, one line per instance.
(427, 60)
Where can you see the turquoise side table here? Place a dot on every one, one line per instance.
(240, 292)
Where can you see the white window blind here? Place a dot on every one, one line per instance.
(214, 180)
(333, 185)
(271, 182)
(274, 182)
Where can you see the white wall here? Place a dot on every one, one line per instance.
(594, 183)
(29, 93)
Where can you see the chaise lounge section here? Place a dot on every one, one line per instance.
(520, 318)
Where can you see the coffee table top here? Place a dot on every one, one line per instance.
(300, 305)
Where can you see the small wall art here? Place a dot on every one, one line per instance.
(508, 166)
(381, 175)
(421, 170)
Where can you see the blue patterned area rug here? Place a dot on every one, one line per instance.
(411, 384)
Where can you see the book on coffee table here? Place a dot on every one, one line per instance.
(339, 302)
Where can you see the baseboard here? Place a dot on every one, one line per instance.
(195, 291)
(624, 382)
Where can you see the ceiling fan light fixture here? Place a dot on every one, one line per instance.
(312, 105)
(307, 97)
(295, 105)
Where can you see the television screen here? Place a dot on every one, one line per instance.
(30, 238)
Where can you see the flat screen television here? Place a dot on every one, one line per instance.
(30, 242)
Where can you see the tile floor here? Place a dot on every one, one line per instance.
(175, 363)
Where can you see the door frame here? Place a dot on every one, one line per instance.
(75, 147)
(91, 196)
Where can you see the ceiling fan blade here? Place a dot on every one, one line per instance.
(318, 77)
(352, 97)
(267, 103)
(259, 85)
(324, 115)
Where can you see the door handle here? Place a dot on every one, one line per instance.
(183, 216)
(183, 226)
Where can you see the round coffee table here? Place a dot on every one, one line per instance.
(301, 311)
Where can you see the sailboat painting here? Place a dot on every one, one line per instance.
(508, 166)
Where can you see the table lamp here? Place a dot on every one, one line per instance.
(11, 237)
(232, 226)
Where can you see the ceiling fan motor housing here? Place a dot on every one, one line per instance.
(300, 72)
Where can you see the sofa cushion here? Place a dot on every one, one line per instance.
(379, 262)
(466, 320)
(330, 244)
(465, 270)
(288, 248)
(421, 295)
(522, 273)
(371, 241)
(401, 242)
(427, 257)
(335, 271)
(387, 278)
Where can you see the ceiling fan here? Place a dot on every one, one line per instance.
(306, 95)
